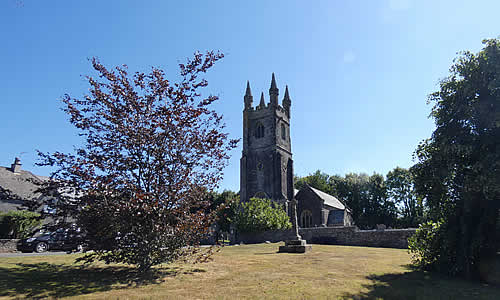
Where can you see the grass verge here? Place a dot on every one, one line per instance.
(248, 271)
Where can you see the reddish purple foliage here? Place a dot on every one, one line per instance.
(153, 148)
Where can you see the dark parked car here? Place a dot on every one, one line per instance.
(61, 239)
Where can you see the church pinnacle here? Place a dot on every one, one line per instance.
(273, 92)
(286, 97)
(262, 104)
(249, 91)
(287, 102)
(248, 97)
(273, 83)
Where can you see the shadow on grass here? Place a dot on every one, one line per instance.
(51, 280)
(415, 285)
(266, 253)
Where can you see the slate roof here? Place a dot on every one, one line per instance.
(17, 187)
(328, 199)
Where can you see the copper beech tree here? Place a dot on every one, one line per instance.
(152, 149)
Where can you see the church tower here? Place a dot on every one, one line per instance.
(266, 165)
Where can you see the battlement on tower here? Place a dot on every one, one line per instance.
(273, 99)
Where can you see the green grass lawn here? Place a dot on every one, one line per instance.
(248, 271)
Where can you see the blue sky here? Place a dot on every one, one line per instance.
(358, 72)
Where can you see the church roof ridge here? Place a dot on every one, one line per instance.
(329, 199)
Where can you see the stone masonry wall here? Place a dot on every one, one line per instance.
(273, 236)
(351, 236)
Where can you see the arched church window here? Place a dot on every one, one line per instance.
(283, 132)
(306, 219)
(259, 131)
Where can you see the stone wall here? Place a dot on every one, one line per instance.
(388, 238)
(8, 245)
(273, 236)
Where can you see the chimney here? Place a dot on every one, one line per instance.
(16, 166)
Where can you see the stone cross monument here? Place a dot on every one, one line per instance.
(295, 227)
(297, 244)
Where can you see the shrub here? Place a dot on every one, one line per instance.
(424, 245)
(18, 224)
(257, 215)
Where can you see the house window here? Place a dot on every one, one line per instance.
(259, 131)
(283, 132)
(306, 219)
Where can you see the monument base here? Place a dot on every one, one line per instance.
(295, 246)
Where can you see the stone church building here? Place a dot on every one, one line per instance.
(266, 165)
(319, 209)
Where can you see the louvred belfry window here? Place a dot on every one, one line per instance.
(259, 131)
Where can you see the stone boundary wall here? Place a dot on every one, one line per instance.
(351, 236)
(8, 245)
(272, 236)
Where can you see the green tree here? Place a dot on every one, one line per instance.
(458, 169)
(18, 224)
(318, 180)
(225, 205)
(257, 215)
(381, 209)
(353, 191)
(366, 196)
(400, 188)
